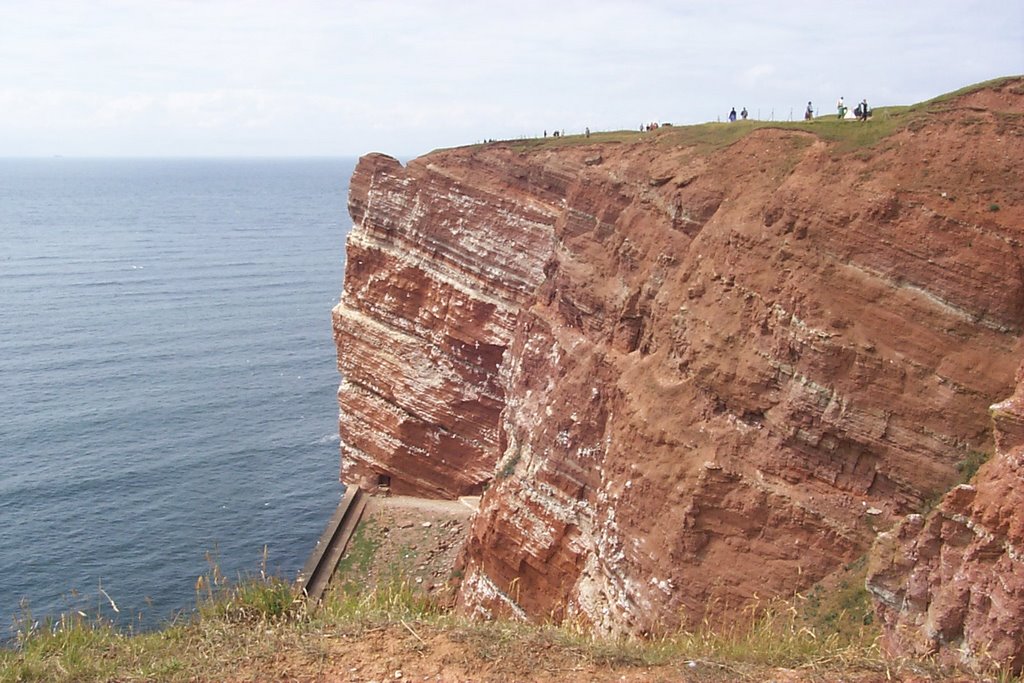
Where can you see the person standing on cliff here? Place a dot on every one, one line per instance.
(809, 114)
(841, 106)
(864, 109)
(743, 113)
(732, 115)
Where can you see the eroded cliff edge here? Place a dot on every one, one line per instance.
(951, 583)
(689, 368)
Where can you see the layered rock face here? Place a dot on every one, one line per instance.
(952, 582)
(692, 372)
(436, 272)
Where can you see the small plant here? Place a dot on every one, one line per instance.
(253, 601)
(993, 207)
(362, 550)
(391, 600)
(249, 600)
(968, 467)
(930, 502)
(509, 467)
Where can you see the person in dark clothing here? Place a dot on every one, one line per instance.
(743, 113)
(864, 109)
(732, 115)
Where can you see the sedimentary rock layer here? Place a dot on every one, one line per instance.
(952, 582)
(436, 273)
(712, 368)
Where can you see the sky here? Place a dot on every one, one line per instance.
(342, 78)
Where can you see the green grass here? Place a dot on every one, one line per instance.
(969, 466)
(509, 466)
(843, 607)
(966, 468)
(848, 135)
(994, 83)
(703, 138)
(394, 599)
(604, 137)
(361, 552)
(242, 623)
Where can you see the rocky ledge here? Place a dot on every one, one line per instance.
(952, 582)
(689, 368)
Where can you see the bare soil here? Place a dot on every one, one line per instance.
(408, 539)
(491, 653)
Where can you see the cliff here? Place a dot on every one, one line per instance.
(952, 582)
(438, 267)
(691, 368)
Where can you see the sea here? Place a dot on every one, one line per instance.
(167, 378)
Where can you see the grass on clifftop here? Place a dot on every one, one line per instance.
(708, 137)
(849, 135)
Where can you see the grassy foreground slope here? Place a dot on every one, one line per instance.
(388, 629)
(254, 632)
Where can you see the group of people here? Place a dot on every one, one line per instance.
(861, 111)
(732, 114)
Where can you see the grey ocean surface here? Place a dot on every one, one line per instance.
(167, 376)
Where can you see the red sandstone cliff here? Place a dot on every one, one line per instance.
(689, 370)
(952, 582)
(437, 270)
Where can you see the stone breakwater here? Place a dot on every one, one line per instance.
(688, 375)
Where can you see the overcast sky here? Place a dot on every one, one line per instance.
(300, 77)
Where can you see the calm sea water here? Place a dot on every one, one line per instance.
(167, 376)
